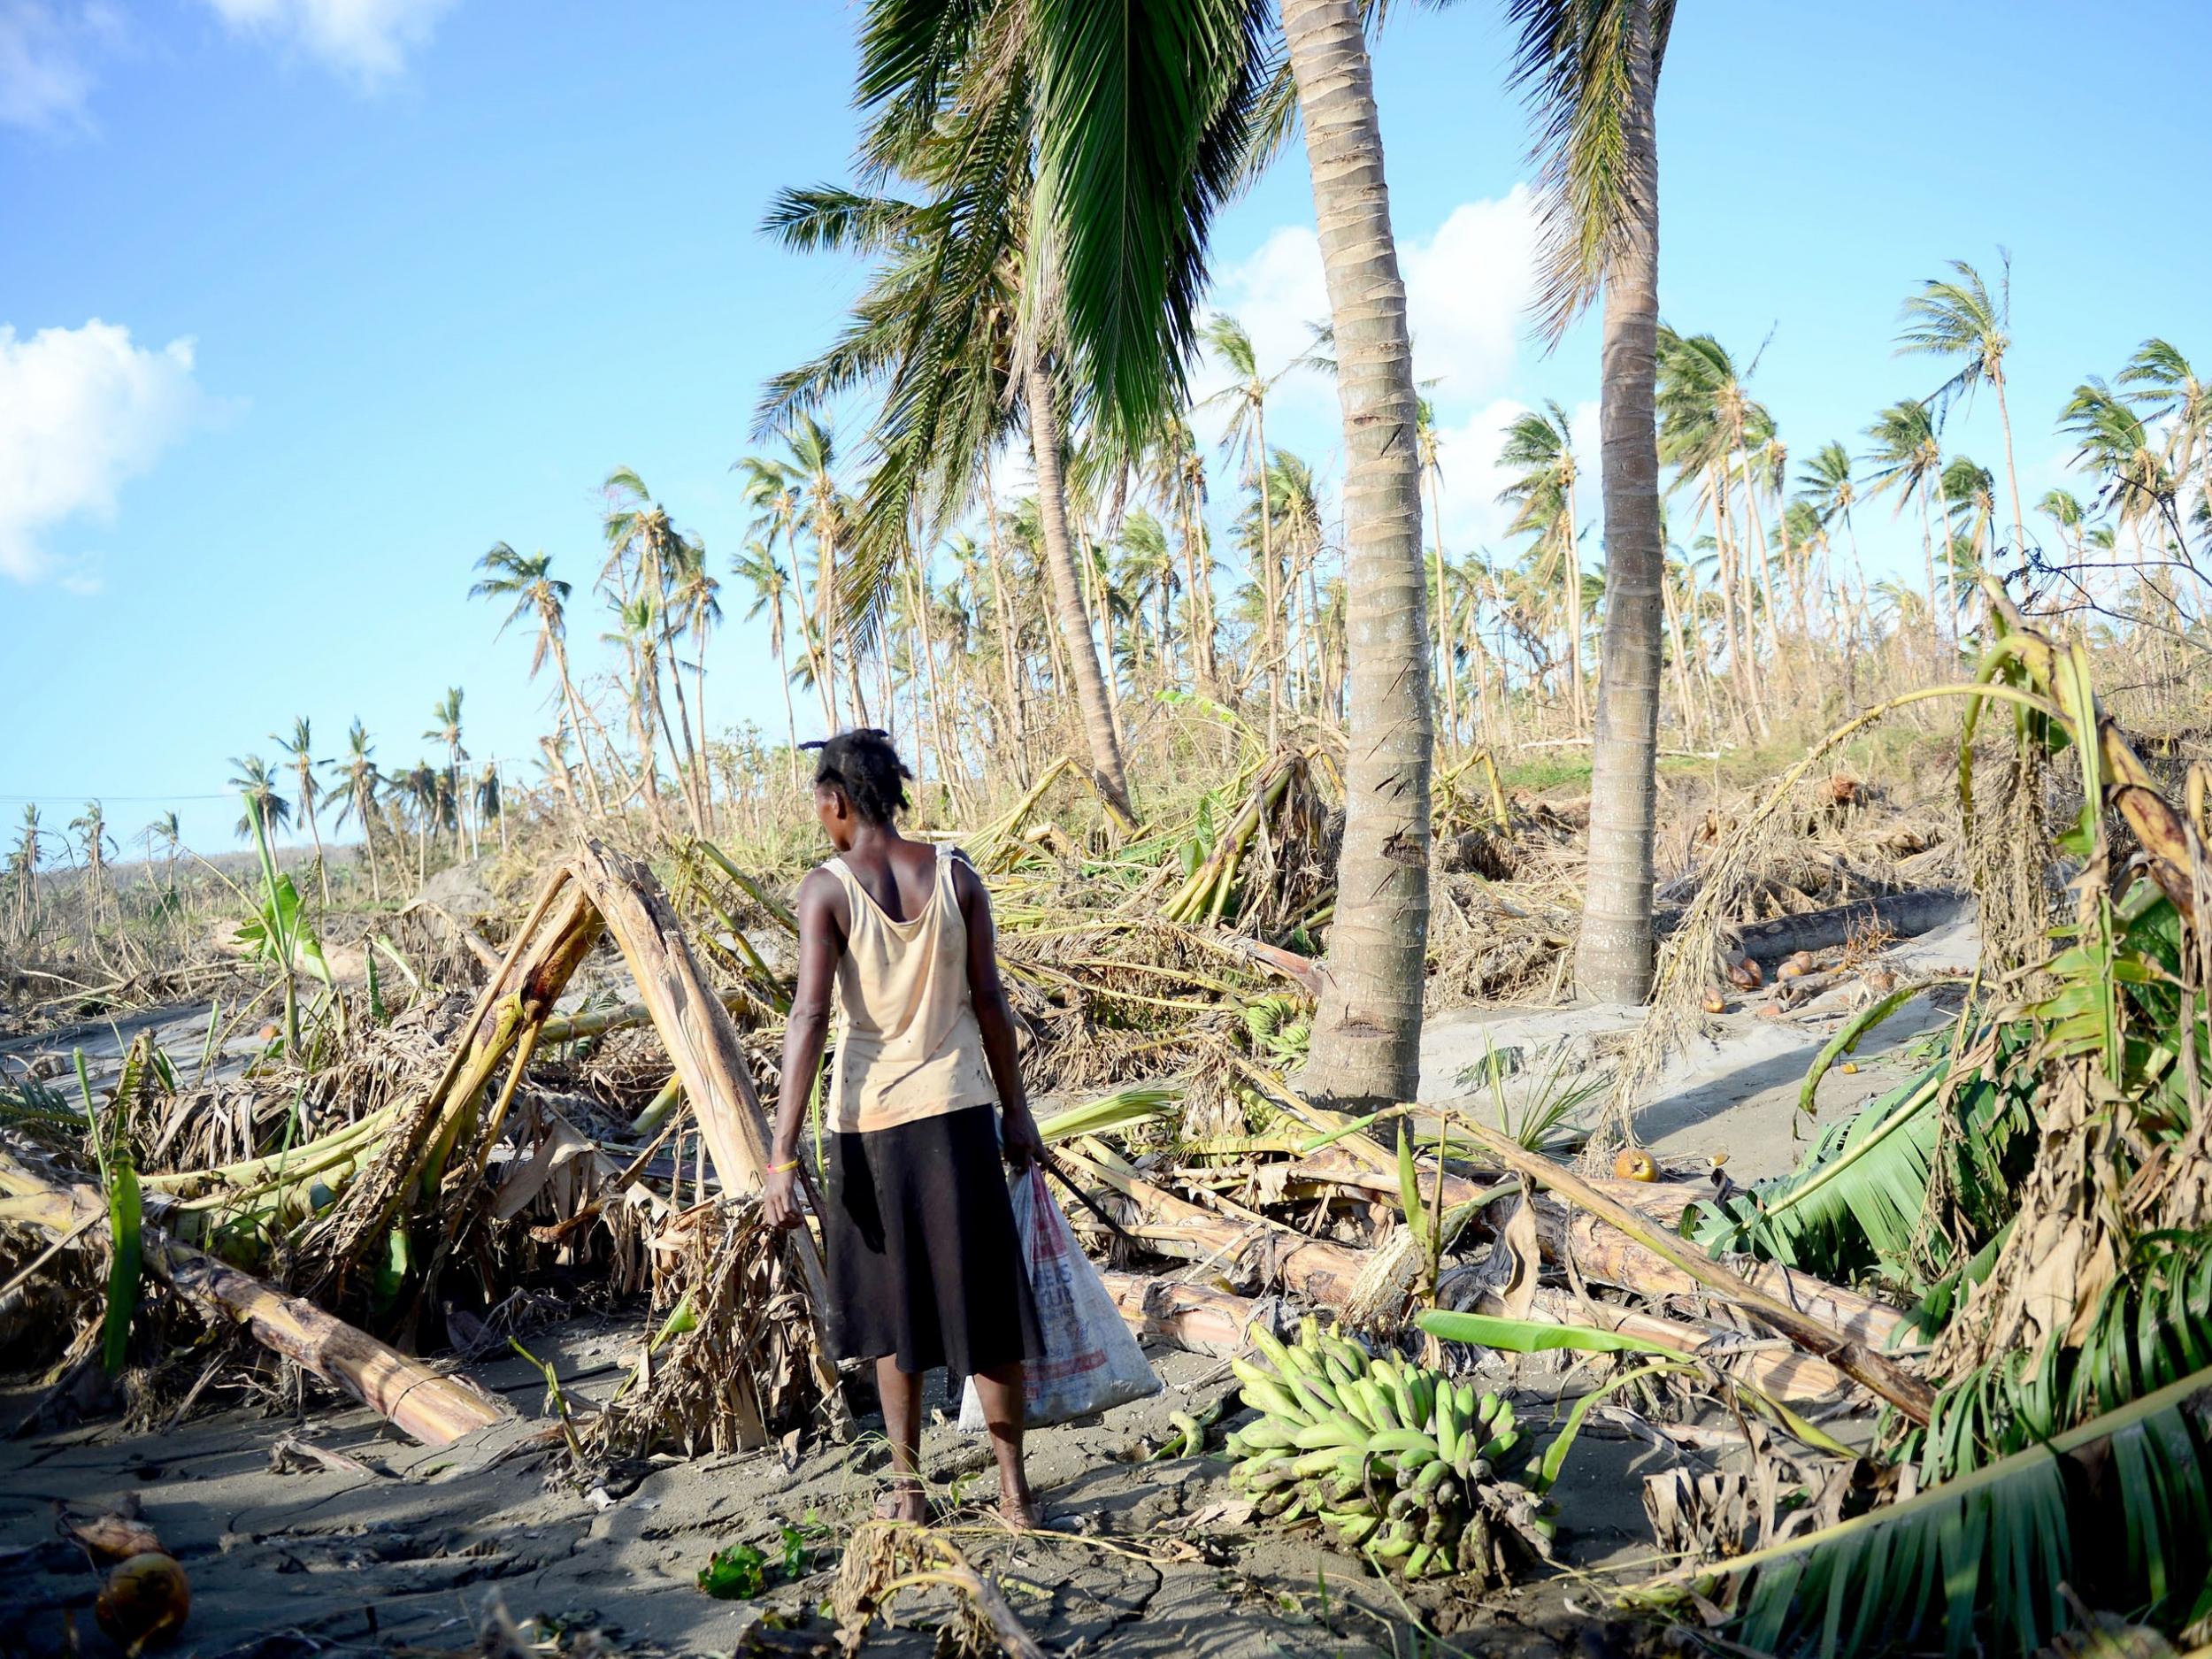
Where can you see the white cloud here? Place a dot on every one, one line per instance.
(1467, 287)
(367, 39)
(44, 45)
(81, 410)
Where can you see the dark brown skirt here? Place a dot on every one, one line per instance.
(924, 1262)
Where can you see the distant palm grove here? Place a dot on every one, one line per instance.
(983, 515)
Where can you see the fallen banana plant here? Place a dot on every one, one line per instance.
(2119, 1508)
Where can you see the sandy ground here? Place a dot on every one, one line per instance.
(1148, 1557)
(1145, 1557)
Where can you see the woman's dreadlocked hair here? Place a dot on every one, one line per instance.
(863, 764)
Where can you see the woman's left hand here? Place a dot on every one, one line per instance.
(1018, 1138)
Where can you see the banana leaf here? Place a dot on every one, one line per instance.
(2119, 1508)
(1124, 1108)
(1532, 1336)
(126, 1259)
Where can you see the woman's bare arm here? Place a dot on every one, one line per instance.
(821, 942)
(995, 1015)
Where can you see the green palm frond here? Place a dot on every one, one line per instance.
(1575, 63)
(1143, 112)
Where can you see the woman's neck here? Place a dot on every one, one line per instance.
(874, 837)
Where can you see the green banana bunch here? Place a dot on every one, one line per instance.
(1401, 1460)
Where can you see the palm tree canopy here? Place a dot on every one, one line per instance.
(1572, 63)
(1957, 319)
(1906, 448)
(1826, 481)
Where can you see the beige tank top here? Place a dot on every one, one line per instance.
(908, 1046)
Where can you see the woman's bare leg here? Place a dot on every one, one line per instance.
(1001, 1391)
(901, 1398)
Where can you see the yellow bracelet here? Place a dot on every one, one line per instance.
(778, 1168)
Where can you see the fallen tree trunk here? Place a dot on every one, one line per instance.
(434, 1409)
(1196, 1318)
(1900, 915)
(1200, 1320)
(1602, 1252)
(1848, 1354)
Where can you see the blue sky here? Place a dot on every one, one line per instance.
(380, 282)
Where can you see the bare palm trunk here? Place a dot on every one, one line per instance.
(1067, 593)
(1002, 608)
(1927, 541)
(576, 725)
(1443, 629)
(1570, 602)
(1268, 585)
(1367, 1032)
(1613, 958)
(315, 835)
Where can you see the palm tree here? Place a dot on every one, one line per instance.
(1959, 321)
(164, 830)
(1590, 72)
(1908, 458)
(771, 489)
(300, 749)
(23, 867)
(2113, 440)
(756, 564)
(647, 556)
(355, 791)
(1828, 485)
(90, 826)
(1440, 610)
(445, 727)
(1539, 448)
(252, 779)
(1246, 397)
(490, 800)
(695, 601)
(1970, 505)
(2172, 392)
(538, 592)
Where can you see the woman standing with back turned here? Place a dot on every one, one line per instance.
(925, 1263)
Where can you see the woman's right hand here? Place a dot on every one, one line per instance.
(779, 1199)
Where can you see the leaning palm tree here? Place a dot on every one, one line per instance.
(164, 830)
(252, 779)
(1245, 397)
(299, 749)
(1907, 459)
(539, 594)
(1538, 454)
(2167, 388)
(353, 788)
(771, 583)
(1590, 70)
(1825, 483)
(91, 827)
(1958, 319)
(445, 727)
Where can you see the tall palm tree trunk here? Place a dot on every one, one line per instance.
(1269, 597)
(576, 725)
(1367, 1032)
(1613, 957)
(1001, 608)
(314, 832)
(1443, 629)
(1067, 592)
(1570, 603)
